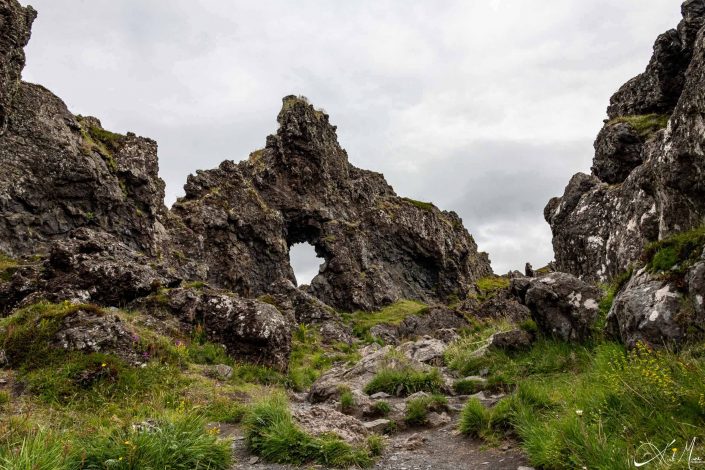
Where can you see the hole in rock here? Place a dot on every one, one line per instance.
(304, 262)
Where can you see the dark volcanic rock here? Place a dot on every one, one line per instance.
(58, 171)
(15, 29)
(251, 330)
(638, 195)
(563, 306)
(435, 322)
(236, 223)
(617, 152)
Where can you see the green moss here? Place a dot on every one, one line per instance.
(427, 206)
(8, 266)
(646, 124)
(610, 291)
(678, 251)
(393, 314)
(489, 286)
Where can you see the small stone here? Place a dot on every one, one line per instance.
(438, 419)
(223, 371)
(378, 425)
(521, 467)
(253, 460)
(380, 396)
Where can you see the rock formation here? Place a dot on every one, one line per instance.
(646, 181)
(236, 223)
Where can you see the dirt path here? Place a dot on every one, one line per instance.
(421, 449)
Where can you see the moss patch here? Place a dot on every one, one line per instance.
(427, 206)
(489, 286)
(677, 252)
(392, 314)
(646, 124)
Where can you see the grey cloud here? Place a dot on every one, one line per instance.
(486, 108)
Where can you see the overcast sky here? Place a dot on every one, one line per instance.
(485, 107)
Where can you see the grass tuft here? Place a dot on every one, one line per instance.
(405, 381)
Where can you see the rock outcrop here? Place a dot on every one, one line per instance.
(236, 223)
(562, 305)
(660, 310)
(647, 180)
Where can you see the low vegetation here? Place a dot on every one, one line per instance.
(393, 314)
(272, 434)
(417, 409)
(592, 406)
(675, 253)
(404, 381)
(427, 206)
(488, 287)
(645, 124)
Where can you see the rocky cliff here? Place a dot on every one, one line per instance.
(89, 204)
(236, 223)
(647, 175)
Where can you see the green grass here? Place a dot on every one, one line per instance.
(426, 206)
(309, 358)
(610, 291)
(381, 408)
(417, 409)
(347, 401)
(7, 267)
(594, 406)
(488, 287)
(182, 443)
(272, 434)
(678, 251)
(468, 387)
(27, 334)
(40, 450)
(404, 381)
(646, 124)
(392, 314)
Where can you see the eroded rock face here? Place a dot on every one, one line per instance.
(249, 329)
(642, 188)
(659, 311)
(15, 30)
(236, 223)
(563, 306)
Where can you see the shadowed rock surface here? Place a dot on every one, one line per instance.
(647, 183)
(236, 223)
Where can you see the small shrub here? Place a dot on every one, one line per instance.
(381, 408)
(402, 382)
(681, 250)
(468, 387)
(529, 326)
(474, 418)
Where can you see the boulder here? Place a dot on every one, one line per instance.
(250, 330)
(563, 306)
(426, 350)
(434, 322)
(92, 331)
(657, 311)
(617, 152)
(318, 420)
(511, 340)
